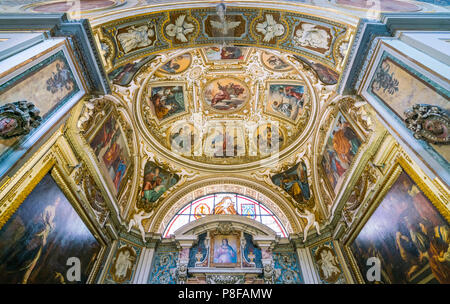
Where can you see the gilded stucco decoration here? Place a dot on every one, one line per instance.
(238, 106)
(318, 38)
(345, 137)
(101, 132)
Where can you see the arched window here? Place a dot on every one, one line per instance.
(225, 203)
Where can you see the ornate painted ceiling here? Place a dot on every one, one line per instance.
(212, 98)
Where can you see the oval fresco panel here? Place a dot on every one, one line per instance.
(226, 94)
(274, 63)
(176, 65)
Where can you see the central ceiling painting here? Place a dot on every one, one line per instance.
(223, 105)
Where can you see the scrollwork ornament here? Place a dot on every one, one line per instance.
(18, 118)
(429, 122)
(224, 279)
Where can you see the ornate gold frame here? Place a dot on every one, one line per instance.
(213, 236)
(433, 190)
(360, 136)
(53, 157)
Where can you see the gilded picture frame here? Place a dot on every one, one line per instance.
(30, 176)
(359, 134)
(218, 240)
(433, 190)
(112, 114)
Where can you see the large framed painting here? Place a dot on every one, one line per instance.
(111, 149)
(225, 250)
(341, 146)
(49, 81)
(40, 237)
(408, 232)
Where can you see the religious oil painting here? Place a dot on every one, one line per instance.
(124, 75)
(40, 237)
(400, 88)
(177, 65)
(409, 236)
(226, 53)
(198, 255)
(285, 100)
(340, 150)
(224, 141)
(268, 139)
(167, 101)
(48, 84)
(295, 182)
(275, 63)
(225, 250)
(156, 182)
(110, 147)
(226, 94)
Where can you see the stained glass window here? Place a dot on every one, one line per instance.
(225, 203)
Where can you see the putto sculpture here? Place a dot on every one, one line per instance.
(18, 118)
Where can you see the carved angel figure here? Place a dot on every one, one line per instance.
(123, 263)
(310, 35)
(179, 29)
(136, 37)
(269, 28)
(328, 263)
(311, 218)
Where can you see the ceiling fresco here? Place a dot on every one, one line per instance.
(223, 105)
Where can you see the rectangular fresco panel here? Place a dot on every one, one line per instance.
(285, 100)
(167, 101)
(400, 87)
(42, 234)
(110, 147)
(408, 235)
(340, 149)
(48, 85)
